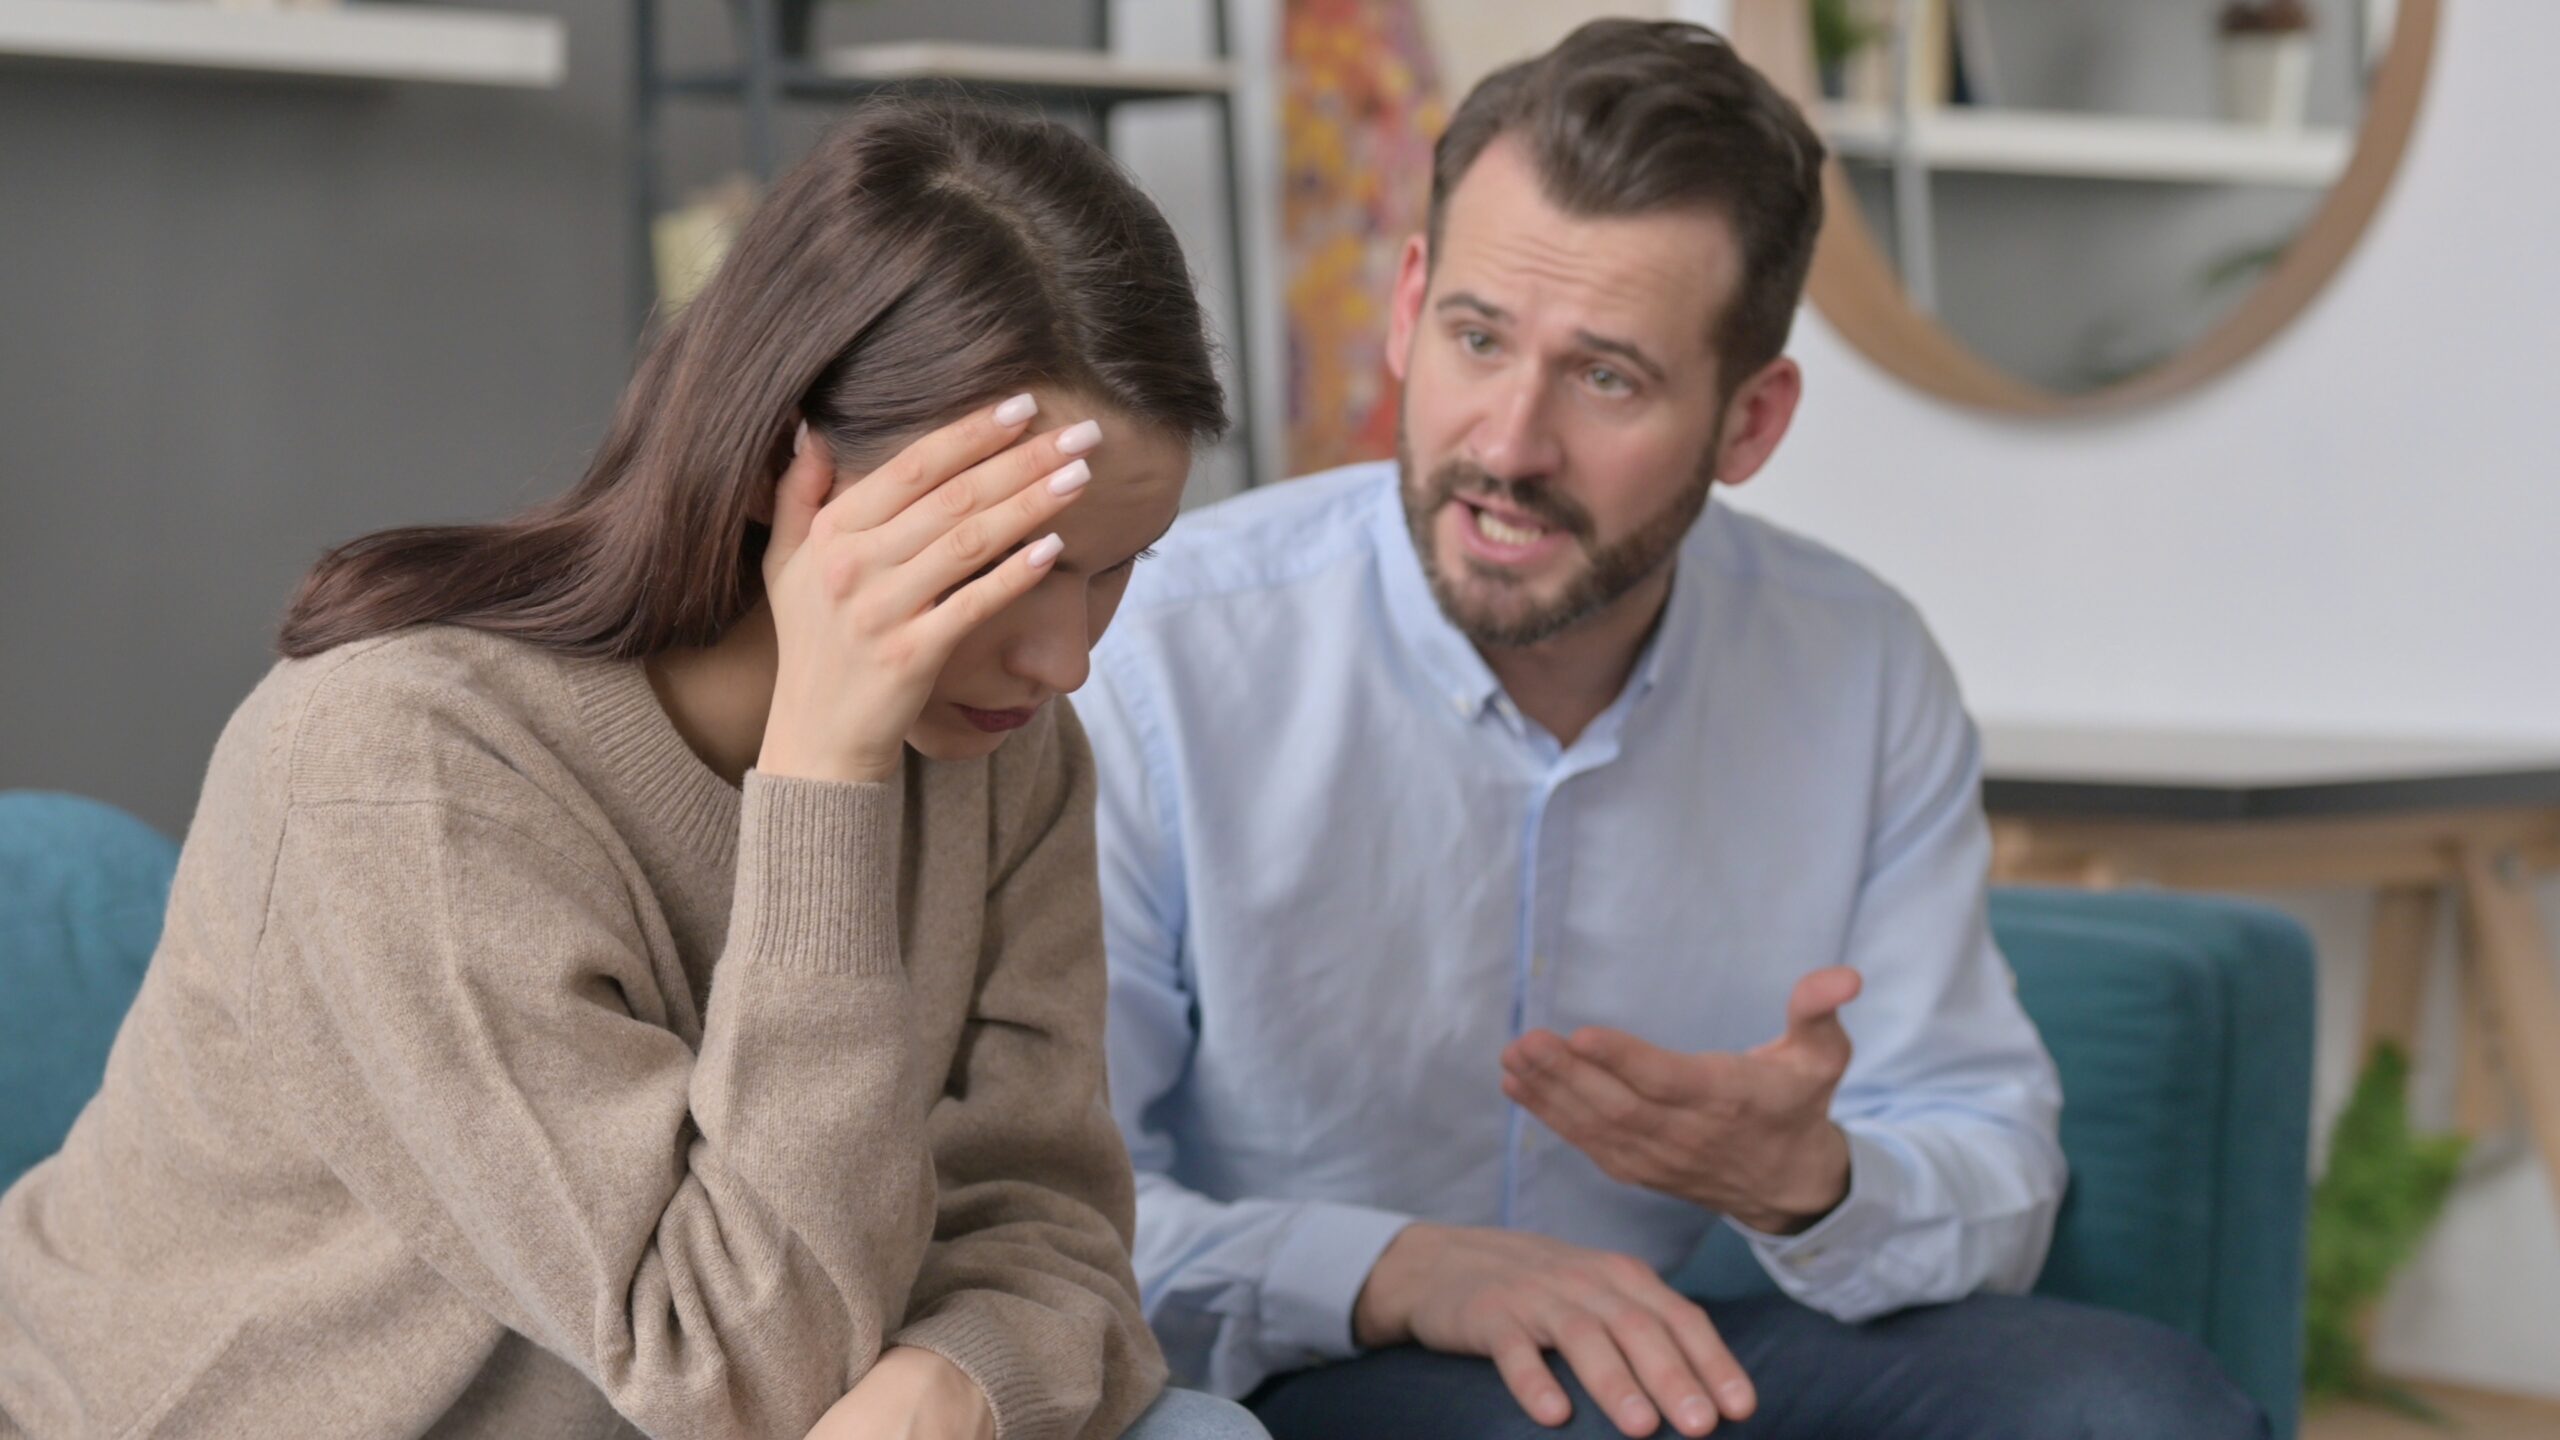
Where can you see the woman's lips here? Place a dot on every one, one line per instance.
(996, 722)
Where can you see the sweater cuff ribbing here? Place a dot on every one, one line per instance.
(994, 1357)
(817, 886)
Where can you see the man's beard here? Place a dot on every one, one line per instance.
(1608, 572)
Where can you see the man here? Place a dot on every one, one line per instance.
(1516, 867)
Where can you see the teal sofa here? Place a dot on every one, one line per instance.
(82, 890)
(2182, 1028)
(2181, 1024)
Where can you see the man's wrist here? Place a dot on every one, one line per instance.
(1380, 1315)
(1814, 1186)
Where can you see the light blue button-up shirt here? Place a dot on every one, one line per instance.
(1341, 871)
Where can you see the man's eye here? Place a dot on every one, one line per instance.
(1475, 342)
(1608, 381)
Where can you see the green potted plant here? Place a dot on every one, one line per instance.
(1839, 33)
(2384, 1186)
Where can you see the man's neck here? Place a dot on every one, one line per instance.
(1564, 683)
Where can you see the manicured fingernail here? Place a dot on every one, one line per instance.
(1070, 478)
(1039, 553)
(1697, 1415)
(1017, 410)
(800, 440)
(1078, 438)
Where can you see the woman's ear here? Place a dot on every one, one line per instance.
(760, 503)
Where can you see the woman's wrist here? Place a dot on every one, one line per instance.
(781, 757)
(952, 1405)
(910, 1392)
(958, 1395)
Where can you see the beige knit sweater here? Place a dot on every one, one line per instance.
(503, 1071)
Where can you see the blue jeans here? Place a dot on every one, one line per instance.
(1992, 1367)
(1190, 1415)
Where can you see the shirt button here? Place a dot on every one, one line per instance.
(1458, 703)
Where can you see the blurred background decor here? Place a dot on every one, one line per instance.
(2265, 55)
(1361, 106)
(2027, 191)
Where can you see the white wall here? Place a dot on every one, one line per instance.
(2357, 531)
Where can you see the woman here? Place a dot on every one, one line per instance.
(636, 965)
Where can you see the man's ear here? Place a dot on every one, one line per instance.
(1756, 419)
(1404, 312)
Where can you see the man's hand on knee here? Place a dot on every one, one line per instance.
(1643, 1351)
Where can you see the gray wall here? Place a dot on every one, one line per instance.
(243, 319)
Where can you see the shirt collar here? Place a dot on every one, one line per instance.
(1450, 662)
(1684, 612)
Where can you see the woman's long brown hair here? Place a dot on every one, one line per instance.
(930, 256)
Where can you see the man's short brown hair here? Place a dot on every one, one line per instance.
(1630, 117)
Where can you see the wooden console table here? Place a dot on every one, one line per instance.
(2427, 826)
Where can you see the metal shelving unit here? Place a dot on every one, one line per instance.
(359, 42)
(1088, 83)
(2091, 147)
(1914, 141)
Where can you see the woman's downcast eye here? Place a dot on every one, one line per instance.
(1131, 563)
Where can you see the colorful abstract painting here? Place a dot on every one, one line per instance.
(1359, 112)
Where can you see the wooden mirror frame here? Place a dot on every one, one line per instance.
(1860, 293)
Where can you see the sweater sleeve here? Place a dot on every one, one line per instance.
(1027, 1286)
(457, 1002)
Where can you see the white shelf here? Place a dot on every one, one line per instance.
(1029, 67)
(356, 42)
(2097, 147)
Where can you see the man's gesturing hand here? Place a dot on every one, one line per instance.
(1746, 1135)
(1642, 1350)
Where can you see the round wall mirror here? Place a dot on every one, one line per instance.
(2052, 207)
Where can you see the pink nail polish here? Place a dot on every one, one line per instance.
(1017, 410)
(1041, 552)
(1070, 478)
(1079, 438)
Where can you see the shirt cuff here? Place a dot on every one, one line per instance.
(1316, 1273)
(1828, 1265)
